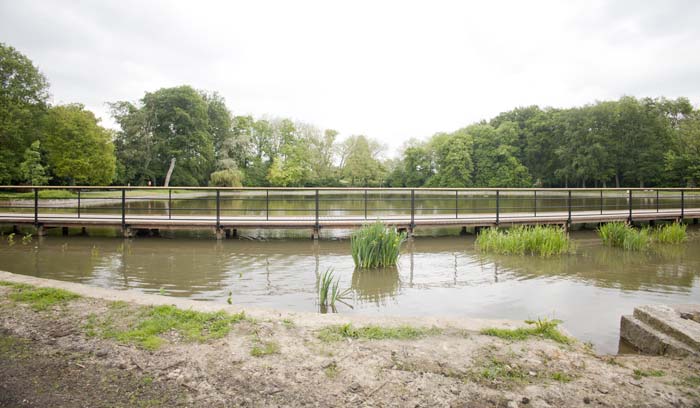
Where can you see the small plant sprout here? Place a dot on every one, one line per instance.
(329, 291)
(228, 300)
(161, 291)
(26, 239)
(11, 239)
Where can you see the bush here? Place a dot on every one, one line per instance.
(538, 240)
(376, 245)
(671, 233)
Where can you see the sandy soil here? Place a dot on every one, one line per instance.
(48, 359)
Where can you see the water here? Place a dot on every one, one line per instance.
(443, 276)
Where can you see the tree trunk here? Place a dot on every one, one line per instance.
(617, 180)
(170, 172)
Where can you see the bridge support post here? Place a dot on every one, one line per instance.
(64, 231)
(127, 232)
(463, 231)
(315, 234)
(41, 231)
(219, 233)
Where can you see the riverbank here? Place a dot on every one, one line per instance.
(96, 348)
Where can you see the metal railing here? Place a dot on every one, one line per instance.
(218, 205)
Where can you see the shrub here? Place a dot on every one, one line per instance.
(226, 178)
(671, 233)
(376, 245)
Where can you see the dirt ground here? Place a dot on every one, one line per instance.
(48, 358)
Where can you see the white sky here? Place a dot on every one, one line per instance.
(391, 70)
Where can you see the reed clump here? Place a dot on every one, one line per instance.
(376, 245)
(524, 240)
(623, 235)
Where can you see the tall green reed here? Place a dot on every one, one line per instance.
(376, 245)
(524, 240)
(329, 291)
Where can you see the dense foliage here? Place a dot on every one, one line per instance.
(627, 142)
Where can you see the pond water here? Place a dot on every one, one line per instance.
(436, 275)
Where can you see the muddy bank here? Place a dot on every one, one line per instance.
(93, 350)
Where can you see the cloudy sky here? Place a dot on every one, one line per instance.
(391, 70)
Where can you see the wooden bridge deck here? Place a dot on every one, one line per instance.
(53, 220)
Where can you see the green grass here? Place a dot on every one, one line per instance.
(144, 327)
(623, 235)
(44, 194)
(39, 298)
(543, 328)
(376, 245)
(561, 377)
(498, 370)
(265, 348)
(347, 331)
(671, 233)
(648, 373)
(524, 240)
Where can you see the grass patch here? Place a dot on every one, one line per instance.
(40, 298)
(561, 377)
(543, 328)
(265, 348)
(331, 370)
(46, 194)
(525, 240)
(376, 245)
(145, 327)
(638, 374)
(691, 381)
(496, 369)
(347, 331)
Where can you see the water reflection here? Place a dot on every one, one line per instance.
(376, 285)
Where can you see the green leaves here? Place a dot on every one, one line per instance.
(376, 245)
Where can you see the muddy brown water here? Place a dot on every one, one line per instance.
(436, 275)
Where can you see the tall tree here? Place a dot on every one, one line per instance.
(23, 103)
(79, 150)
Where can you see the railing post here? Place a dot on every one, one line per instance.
(365, 204)
(36, 208)
(267, 205)
(601, 202)
(498, 206)
(629, 194)
(218, 209)
(78, 203)
(568, 220)
(170, 203)
(123, 210)
(682, 205)
(535, 203)
(317, 221)
(657, 200)
(456, 204)
(413, 208)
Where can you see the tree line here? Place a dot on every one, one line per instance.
(627, 142)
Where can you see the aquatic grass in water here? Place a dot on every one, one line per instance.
(671, 233)
(538, 240)
(329, 291)
(623, 235)
(376, 245)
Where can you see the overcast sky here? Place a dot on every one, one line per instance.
(389, 70)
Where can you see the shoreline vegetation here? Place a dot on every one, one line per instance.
(169, 355)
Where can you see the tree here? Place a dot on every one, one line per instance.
(31, 168)
(360, 162)
(454, 161)
(170, 123)
(495, 164)
(78, 149)
(683, 159)
(23, 103)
